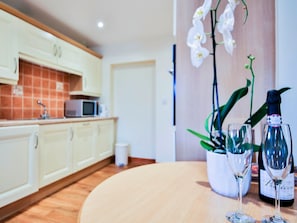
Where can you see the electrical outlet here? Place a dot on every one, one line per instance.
(59, 86)
(17, 90)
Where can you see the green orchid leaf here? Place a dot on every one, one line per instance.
(225, 109)
(256, 148)
(199, 135)
(257, 116)
(207, 146)
(262, 111)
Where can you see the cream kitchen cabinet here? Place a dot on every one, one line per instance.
(18, 162)
(92, 74)
(55, 147)
(66, 148)
(90, 83)
(84, 153)
(37, 45)
(9, 73)
(93, 141)
(44, 48)
(70, 57)
(105, 131)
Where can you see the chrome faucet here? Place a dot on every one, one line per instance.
(45, 114)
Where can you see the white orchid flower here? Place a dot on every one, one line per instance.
(229, 42)
(202, 11)
(225, 24)
(196, 35)
(233, 3)
(198, 54)
(226, 21)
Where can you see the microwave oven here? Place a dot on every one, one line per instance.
(80, 108)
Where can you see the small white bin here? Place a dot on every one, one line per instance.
(121, 154)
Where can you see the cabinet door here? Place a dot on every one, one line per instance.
(37, 45)
(92, 74)
(9, 72)
(69, 56)
(55, 152)
(83, 145)
(18, 162)
(105, 139)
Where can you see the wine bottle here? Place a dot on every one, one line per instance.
(266, 185)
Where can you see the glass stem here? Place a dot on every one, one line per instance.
(277, 200)
(239, 182)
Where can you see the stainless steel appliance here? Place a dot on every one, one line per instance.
(80, 108)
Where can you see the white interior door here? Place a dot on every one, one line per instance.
(134, 104)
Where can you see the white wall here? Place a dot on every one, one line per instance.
(286, 62)
(161, 51)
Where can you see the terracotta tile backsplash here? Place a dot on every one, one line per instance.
(35, 83)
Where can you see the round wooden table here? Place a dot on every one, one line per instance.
(168, 192)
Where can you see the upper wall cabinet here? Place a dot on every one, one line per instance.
(9, 73)
(92, 75)
(41, 47)
(70, 56)
(44, 48)
(92, 71)
(30, 40)
(90, 83)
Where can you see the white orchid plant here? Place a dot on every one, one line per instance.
(196, 38)
(225, 24)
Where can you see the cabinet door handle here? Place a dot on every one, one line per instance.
(86, 124)
(71, 134)
(15, 65)
(55, 50)
(99, 130)
(59, 52)
(36, 141)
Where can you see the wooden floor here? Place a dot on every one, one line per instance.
(64, 205)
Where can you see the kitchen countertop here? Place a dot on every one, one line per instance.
(5, 123)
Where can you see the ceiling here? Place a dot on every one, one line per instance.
(126, 21)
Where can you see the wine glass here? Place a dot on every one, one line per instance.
(239, 150)
(277, 160)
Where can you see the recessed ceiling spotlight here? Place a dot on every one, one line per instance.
(100, 24)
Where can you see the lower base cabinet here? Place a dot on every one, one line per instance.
(84, 153)
(33, 156)
(55, 158)
(68, 148)
(104, 141)
(18, 162)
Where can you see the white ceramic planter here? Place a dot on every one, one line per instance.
(221, 178)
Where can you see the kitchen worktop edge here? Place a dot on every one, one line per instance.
(6, 123)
